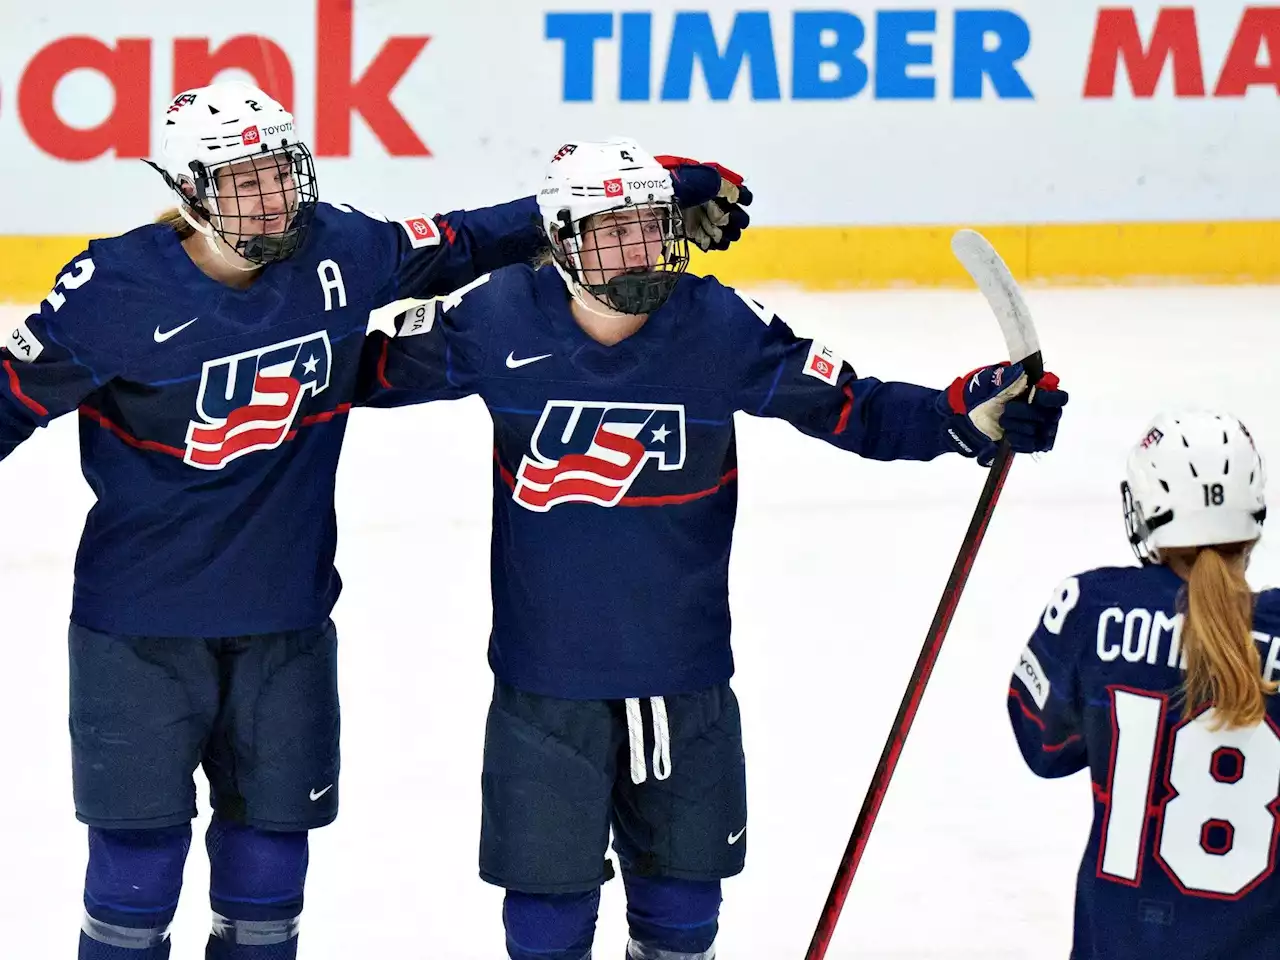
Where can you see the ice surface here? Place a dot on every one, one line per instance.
(837, 568)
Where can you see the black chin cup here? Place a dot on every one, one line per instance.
(637, 293)
(268, 248)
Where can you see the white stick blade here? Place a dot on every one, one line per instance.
(996, 282)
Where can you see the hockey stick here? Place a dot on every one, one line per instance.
(995, 281)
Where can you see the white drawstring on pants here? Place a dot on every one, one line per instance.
(661, 740)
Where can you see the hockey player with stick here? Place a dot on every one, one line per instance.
(612, 377)
(1161, 680)
(212, 358)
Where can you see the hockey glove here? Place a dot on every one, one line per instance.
(711, 198)
(990, 403)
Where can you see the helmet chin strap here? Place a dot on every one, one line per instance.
(591, 303)
(215, 242)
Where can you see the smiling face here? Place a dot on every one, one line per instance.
(257, 197)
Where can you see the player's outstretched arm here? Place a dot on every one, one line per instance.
(434, 255)
(417, 351)
(1044, 694)
(442, 253)
(809, 385)
(48, 364)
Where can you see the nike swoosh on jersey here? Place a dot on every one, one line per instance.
(161, 337)
(512, 362)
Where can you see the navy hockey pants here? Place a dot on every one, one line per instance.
(259, 713)
(559, 776)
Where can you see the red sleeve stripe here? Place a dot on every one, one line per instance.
(845, 411)
(16, 387)
(1055, 747)
(1046, 747)
(382, 365)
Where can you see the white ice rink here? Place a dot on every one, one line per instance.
(837, 569)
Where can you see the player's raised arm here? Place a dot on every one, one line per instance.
(49, 363)
(1044, 695)
(810, 386)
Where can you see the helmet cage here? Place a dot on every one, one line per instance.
(258, 248)
(631, 292)
(1138, 527)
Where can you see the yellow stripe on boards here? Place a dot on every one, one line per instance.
(835, 258)
(29, 265)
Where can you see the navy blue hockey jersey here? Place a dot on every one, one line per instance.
(211, 418)
(1181, 860)
(615, 466)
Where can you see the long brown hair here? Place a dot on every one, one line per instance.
(1224, 667)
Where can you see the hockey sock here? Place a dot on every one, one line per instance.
(557, 926)
(255, 889)
(92, 948)
(671, 919)
(131, 892)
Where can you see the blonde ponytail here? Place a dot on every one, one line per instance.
(173, 218)
(1223, 664)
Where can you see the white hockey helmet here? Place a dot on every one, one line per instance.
(1195, 479)
(208, 128)
(587, 179)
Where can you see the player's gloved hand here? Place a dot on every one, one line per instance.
(712, 198)
(991, 403)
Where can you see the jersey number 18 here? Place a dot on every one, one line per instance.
(1216, 830)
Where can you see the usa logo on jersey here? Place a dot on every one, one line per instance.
(584, 452)
(249, 401)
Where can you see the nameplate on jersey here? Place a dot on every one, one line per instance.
(422, 231)
(823, 364)
(1033, 677)
(22, 343)
(585, 452)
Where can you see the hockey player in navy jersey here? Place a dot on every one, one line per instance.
(1161, 680)
(212, 359)
(612, 378)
